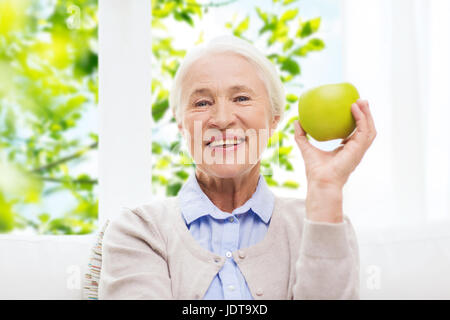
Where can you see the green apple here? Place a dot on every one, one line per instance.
(325, 111)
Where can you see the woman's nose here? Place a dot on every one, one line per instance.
(222, 115)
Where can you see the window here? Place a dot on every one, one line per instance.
(303, 40)
(124, 164)
(48, 117)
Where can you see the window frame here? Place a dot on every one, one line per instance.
(124, 162)
(124, 79)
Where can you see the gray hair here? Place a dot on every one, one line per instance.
(228, 43)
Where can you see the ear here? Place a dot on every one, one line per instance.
(179, 124)
(180, 128)
(275, 121)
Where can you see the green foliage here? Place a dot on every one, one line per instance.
(48, 82)
(288, 39)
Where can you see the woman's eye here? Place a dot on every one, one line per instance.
(242, 98)
(202, 103)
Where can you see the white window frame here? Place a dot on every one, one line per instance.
(125, 105)
(52, 267)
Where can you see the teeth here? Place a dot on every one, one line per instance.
(217, 143)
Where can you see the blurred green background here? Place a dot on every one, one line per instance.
(48, 103)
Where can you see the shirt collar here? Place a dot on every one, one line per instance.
(195, 203)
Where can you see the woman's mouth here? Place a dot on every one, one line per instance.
(226, 144)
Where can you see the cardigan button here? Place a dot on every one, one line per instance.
(259, 292)
(241, 254)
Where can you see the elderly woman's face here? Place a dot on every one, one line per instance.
(226, 116)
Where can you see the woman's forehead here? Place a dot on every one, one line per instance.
(228, 71)
(220, 64)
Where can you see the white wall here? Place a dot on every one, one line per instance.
(396, 53)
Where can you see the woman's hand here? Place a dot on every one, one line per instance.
(328, 171)
(334, 167)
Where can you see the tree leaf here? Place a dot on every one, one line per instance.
(262, 15)
(312, 45)
(316, 44)
(289, 15)
(267, 27)
(163, 162)
(183, 175)
(173, 188)
(183, 16)
(309, 27)
(288, 44)
(286, 2)
(291, 66)
(159, 108)
(284, 151)
(291, 184)
(291, 98)
(164, 11)
(156, 148)
(270, 181)
(6, 215)
(242, 27)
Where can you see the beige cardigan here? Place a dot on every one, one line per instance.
(148, 253)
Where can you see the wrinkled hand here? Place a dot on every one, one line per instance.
(333, 168)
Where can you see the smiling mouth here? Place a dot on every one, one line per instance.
(225, 143)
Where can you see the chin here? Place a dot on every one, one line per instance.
(227, 170)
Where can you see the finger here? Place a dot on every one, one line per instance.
(362, 128)
(371, 131)
(360, 117)
(359, 123)
(350, 137)
(301, 139)
(338, 149)
(362, 136)
(366, 110)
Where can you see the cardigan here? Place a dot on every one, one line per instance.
(148, 253)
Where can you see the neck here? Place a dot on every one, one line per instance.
(228, 194)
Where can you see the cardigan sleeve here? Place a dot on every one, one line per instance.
(134, 260)
(328, 264)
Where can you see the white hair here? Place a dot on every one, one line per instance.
(228, 43)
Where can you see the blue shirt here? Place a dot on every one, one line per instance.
(222, 232)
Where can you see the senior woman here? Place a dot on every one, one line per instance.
(226, 235)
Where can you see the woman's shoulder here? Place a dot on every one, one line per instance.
(290, 209)
(157, 209)
(151, 216)
(289, 203)
(149, 221)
